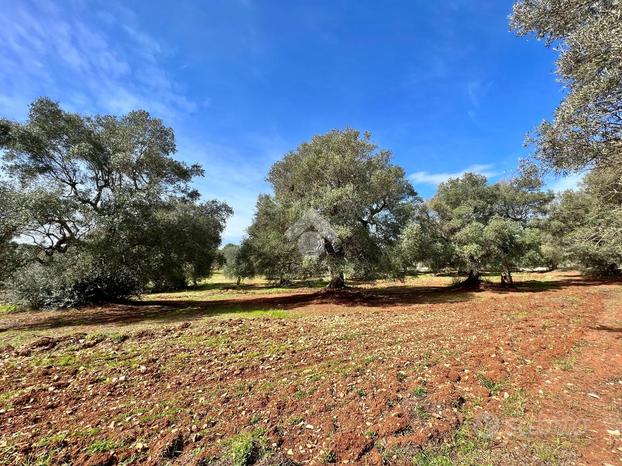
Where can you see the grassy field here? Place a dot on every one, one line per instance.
(403, 372)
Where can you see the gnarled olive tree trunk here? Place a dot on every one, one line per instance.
(472, 282)
(337, 282)
(336, 259)
(506, 278)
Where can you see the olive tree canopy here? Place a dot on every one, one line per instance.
(471, 225)
(586, 132)
(352, 185)
(101, 209)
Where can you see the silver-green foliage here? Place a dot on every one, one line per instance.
(100, 209)
(351, 184)
(472, 225)
(586, 132)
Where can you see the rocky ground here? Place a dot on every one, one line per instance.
(390, 373)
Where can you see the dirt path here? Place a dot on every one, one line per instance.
(581, 396)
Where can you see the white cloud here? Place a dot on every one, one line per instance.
(92, 62)
(437, 178)
(476, 91)
(105, 62)
(566, 183)
(233, 176)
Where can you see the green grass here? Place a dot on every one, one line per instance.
(568, 361)
(420, 391)
(236, 312)
(465, 449)
(8, 395)
(422, 413)
(191, 341)
(87, 432)
(552, 452)
(219, 287)
(246, 447)
(514, 405)
(7, 308)
(52, 439)
(102, 446)
(492, 386)
(263, 314)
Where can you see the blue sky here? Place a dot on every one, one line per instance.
(442, 84)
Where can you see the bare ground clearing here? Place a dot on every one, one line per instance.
(394, 373)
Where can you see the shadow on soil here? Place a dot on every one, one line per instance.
(171, 311)
(606, 328)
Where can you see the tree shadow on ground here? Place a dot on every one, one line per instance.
(250, 287)
(537, 286)
(171, 311)
(606, 328)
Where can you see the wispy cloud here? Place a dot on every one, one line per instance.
(566, 183)
(425, 177)
(235, 177)
(73, 53)
(104, 61)
(476, 90)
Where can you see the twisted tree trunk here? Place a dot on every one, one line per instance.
(472, 282)
(336, 258)
(337, 282)
(506, 279)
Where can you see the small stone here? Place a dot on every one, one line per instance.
(290, 452)
(593, 395)
(615, 433)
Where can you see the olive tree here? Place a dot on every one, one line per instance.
(473, 226)
(586, 132)
(584, 232)
(352, 186)
(237, 261)
(104, 208)
(587, 128)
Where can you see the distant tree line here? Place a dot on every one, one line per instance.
(384, 229)
(95, 208)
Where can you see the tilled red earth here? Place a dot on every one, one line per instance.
(361, 381)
